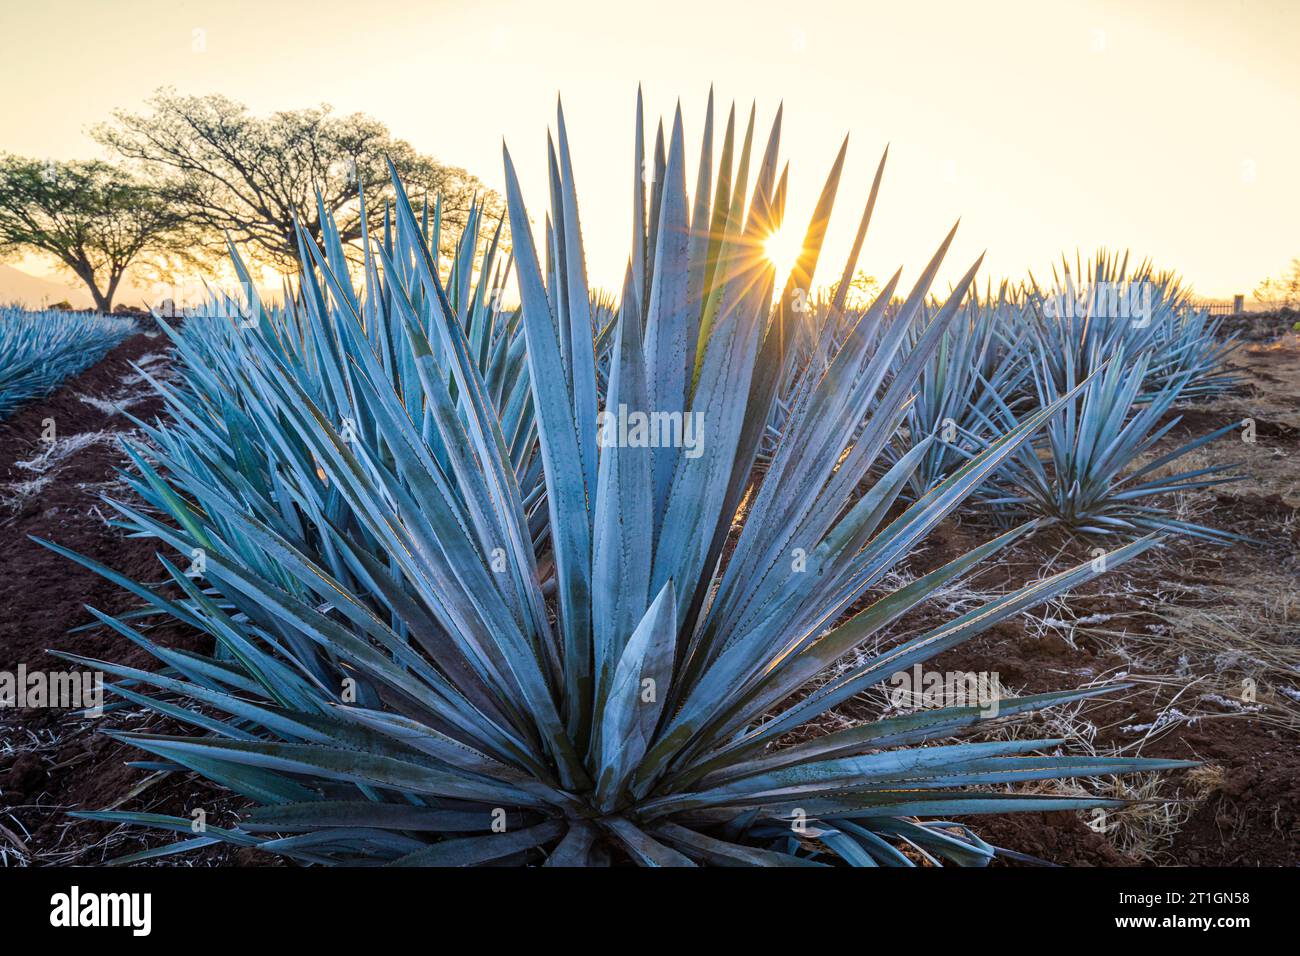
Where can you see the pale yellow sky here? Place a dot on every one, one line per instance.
(1171, 128)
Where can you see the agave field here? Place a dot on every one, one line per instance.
(38, 350)
(448, 561)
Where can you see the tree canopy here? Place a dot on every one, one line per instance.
(232, 173)
(93, 218)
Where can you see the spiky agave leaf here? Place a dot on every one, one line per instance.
(413, 669)
(812, 329)
(226, 440)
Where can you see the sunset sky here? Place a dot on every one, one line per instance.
(1170, 128)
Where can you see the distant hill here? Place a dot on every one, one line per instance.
(37, 291)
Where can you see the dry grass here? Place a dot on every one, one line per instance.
(1233, 647)
(70, 845)
(1185, 640)
(1156, 805)
(46, 464)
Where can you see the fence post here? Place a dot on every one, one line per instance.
(1238, 304)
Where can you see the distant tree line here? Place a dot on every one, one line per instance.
(1281, 292)
(193, 171)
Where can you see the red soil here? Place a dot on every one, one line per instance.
(51, 761)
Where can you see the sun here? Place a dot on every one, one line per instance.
(782, 249)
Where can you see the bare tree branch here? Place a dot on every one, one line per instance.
(233, 173)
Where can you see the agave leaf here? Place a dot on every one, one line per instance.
(666, 321)
(698, 246)
(575, 849)
(328, 814)
(722, 853)
(336, 764)
(582, 356)
(624, 509)
(566, 489)
(636, 696)
(889, 732)
(927, 645)
(645, 850)
(470, 851)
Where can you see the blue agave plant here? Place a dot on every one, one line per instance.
(1089, 475)
(1103, 308)
(1145, 349)
(444, 638)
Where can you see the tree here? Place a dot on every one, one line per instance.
(233, 173)
(90, 217)
(1282, 292)
(862, 289)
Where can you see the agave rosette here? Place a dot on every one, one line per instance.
(1133, 344)
(1090, 473)
(421, 661)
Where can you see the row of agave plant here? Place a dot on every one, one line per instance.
(1014, 352)
(454, 626)
(38, 350)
